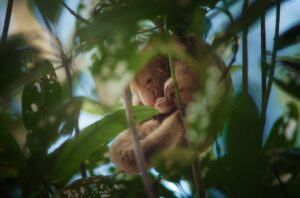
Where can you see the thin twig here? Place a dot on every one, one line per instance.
(245, 52)
(7, 20)
(136, 145)
(77, 16)
(273, 62)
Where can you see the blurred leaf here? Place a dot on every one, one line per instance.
(290, 87)
(284, 131)
(243, 140)
(215, 174)
(78, 149)
(49, 9)
(9, 140)
(173, 164)
(288, 74)
(289, 37)
(292, 62)
(132, 186)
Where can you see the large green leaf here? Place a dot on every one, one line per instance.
(73, 152)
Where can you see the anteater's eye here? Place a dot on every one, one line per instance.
(149, 80)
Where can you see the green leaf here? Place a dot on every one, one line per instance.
(73, 152)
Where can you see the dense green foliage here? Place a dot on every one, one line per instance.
(245, 160)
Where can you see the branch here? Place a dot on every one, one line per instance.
(149, 30)
(235, 40)
(277, 175)
(136, 145)
(77, 16)
(66, 63)
(196, 173)
(245, 52)
(273, 62)
(7, 20)
(263, 70)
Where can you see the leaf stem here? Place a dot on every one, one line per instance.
(7, 20)
(136, 145)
